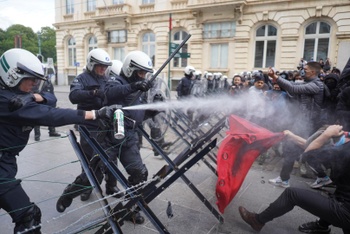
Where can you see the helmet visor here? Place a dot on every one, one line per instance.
(26, 72)
(137, 66)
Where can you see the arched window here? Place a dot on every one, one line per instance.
(92, 43)
(265, 46)
(72, 53)
(316, 41)
(177, 39)
(149, 45)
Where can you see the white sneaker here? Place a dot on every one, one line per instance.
(321, 182)
(279, 182)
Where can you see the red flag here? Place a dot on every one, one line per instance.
(244, 142)
(170, 22)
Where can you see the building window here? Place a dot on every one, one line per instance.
(118, 2)
(316, 42)
(177, 39)
(219, 30)
(219, 55)
(92, 43)
(119, 53)
(149, 45)
(71, 52)
(117, 36)
(91, 5)
(265, 46)
(69, 7)
(147, 1)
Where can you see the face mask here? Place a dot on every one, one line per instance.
(341, 141)
(299, 81)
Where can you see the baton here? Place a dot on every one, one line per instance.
(162, 67)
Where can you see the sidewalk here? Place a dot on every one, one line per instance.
(52, 164)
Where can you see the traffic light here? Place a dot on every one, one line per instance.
(40, 57)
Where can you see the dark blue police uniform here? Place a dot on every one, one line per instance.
(19, 113)
(119, 91)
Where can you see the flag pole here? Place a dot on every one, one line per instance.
(170, 27)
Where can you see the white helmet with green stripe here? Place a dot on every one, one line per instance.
(17, 64)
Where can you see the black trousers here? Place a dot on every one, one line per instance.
(291, 153)
(328, 209)
(13, 198)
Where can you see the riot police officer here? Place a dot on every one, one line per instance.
(20, 111)
(122, 90)
(185, 85)
(87, 91)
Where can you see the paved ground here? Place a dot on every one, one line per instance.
(46, 167)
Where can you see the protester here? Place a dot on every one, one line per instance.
(307, 113)
(332, 210)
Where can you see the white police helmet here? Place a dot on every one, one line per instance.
(115, 69)
(189, 70)
(210, 76)
(136, 61)
(198, 74)
(17, 64)
(97, 56)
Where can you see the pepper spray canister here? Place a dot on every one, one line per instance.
(118, 124)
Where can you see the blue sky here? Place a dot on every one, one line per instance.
(33, 13)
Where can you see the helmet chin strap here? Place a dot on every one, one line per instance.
(134, 77)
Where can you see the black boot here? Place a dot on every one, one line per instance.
(30, 222)
(37, 133)
(156, 135)
(111, 186)
(86, 195)
(53, 133)
(64, 201)
(136, 218)
(70, 192)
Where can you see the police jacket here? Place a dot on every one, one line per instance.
(48, 88)
(211, 86)
(310, 95)
(19, 113)
(119, 91)
(87, 91)
(184, 87)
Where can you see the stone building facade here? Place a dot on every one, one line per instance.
(227, 36)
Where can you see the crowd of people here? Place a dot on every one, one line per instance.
(311, 105)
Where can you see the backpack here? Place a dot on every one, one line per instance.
(330, 98)
(344, 79)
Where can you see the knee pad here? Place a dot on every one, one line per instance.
(137, 176)
(30, 221)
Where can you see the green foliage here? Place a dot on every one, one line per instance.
(30, 40)
(48, 43)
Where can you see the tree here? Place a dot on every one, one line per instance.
(48, 43)
(30, 40)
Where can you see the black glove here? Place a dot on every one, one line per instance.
(106, 112)
(97, 93)
(20, 100)
(144, 85)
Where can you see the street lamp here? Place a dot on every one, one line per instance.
(40, 57)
